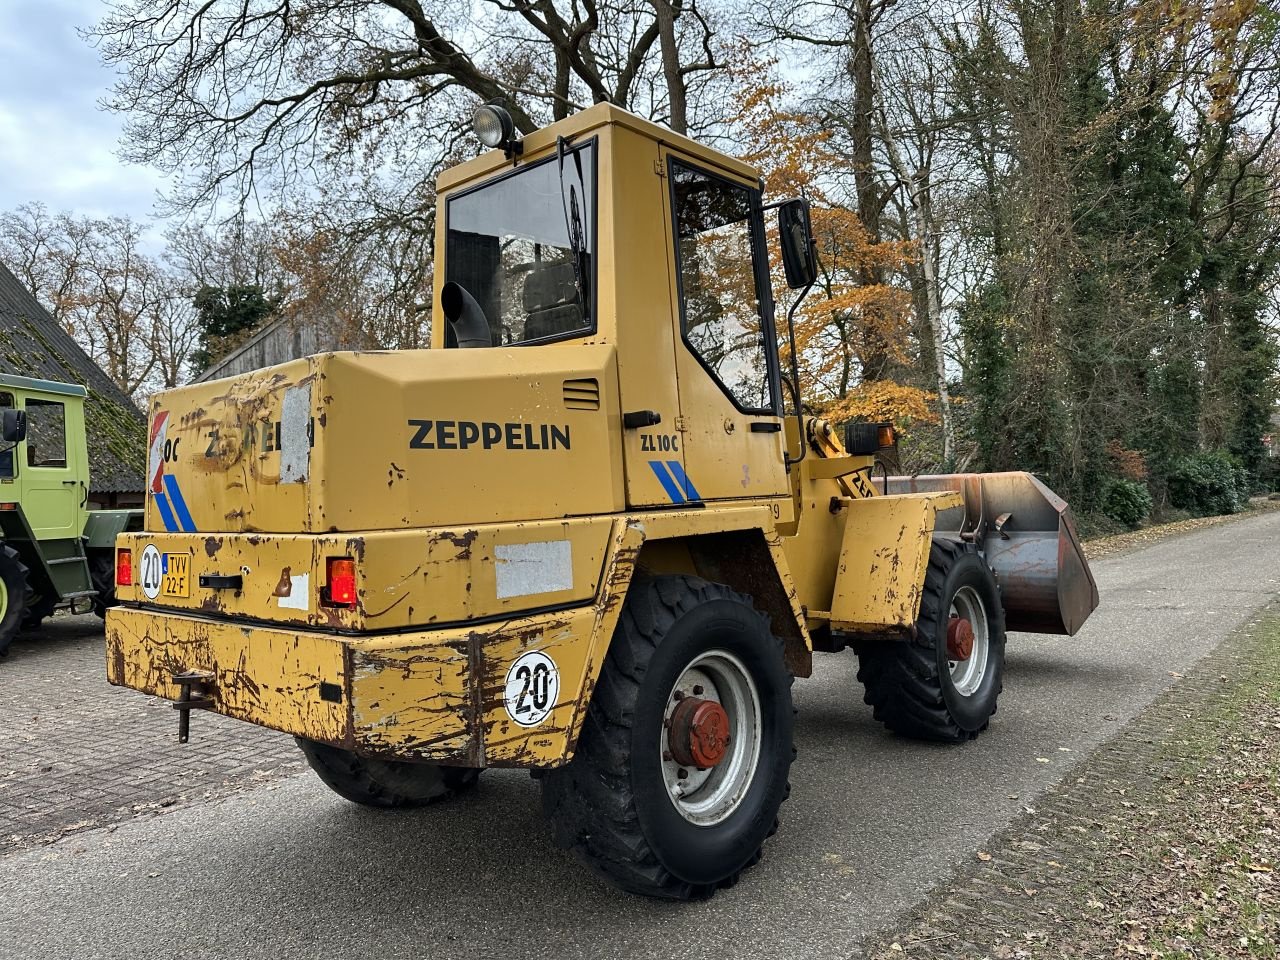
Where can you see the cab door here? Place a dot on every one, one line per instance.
(726, 358)
(638, 281)
(53, 481)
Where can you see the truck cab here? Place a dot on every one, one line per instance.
(54, 551)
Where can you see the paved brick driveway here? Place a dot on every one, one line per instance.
(76, 752)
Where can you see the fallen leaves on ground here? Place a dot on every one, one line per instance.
(1175, 867)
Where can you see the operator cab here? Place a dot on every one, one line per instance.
(608, 229)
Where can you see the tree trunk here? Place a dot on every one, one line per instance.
(679, 120)
(875, 359)
(918, 195)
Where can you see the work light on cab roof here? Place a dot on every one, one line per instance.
(494, 128)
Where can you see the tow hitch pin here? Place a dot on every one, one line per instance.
(192, 697)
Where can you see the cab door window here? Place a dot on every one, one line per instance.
(7, 450)
(722, 316)
(46, 434)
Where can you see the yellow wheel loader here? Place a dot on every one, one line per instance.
(583, 534)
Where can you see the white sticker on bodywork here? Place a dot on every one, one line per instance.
(295, 434)
(533, 683)
(299, 597)
(523, 569)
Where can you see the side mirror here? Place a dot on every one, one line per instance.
(13, 427)
(797, 243)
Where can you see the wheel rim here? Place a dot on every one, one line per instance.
(967, 675)
(721, 686)
(4, 599)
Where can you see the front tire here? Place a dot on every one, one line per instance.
(920, 687)
(684, 754)
(13, 596)
(384, 783)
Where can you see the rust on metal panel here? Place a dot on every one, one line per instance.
(268, 677)
(1028, 536)
(883, 560)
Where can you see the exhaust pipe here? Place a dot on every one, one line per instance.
(1028, 536)
(470, 326)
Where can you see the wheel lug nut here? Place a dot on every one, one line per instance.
(682, 774)
(678, 695)
(666, 754)
(697, 689)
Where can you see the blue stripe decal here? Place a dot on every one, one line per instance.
(166, 515)
(667, 481)
(179, 505)
(682, 478)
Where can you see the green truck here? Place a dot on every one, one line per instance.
(54, 551)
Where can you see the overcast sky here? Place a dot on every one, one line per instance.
(56, 145)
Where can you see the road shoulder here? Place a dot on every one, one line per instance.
(1164, 842)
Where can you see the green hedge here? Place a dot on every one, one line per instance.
(1208, 483)
(1126, 501)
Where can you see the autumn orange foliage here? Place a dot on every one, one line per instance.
(844, 318)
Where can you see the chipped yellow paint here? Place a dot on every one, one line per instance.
(404, 578)
(431, 469)
(268, 677)
(428, 695)
(883, 560)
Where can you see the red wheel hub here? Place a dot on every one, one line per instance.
(699, 735)
(959, 639)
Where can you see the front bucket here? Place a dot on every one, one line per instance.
(1029, 538)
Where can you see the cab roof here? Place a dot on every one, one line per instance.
(576, 126)
(33, 385)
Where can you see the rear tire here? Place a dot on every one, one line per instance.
(914, 686)
(37, 609)
(13, 596)
(102, 573)
(621, 805)
(384, 783)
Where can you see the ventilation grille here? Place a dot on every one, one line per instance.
(582, 394)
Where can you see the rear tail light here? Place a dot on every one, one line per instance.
(124, 568)
(340, 582)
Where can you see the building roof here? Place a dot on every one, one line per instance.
(288, 338)
(33, 344)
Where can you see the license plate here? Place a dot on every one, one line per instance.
(175, 575)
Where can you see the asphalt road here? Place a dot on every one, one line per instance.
(288, 870)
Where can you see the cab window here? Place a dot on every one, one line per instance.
(523, 246)
(722, 316)
(46, 434)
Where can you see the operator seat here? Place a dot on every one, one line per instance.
(551, 301)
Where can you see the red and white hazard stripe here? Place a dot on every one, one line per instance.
(155, 460)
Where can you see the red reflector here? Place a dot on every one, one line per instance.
(124, 568)
(341, 579)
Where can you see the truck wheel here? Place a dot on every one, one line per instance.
(102, 573)
(942, 684)
(684, 754)
(36, 610)
(384, 783)
(13, 596)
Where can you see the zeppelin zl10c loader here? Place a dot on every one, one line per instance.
(582, 534)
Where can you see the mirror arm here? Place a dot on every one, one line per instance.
(787, 459)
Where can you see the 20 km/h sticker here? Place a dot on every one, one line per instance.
(151, 571)
(533, 683)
